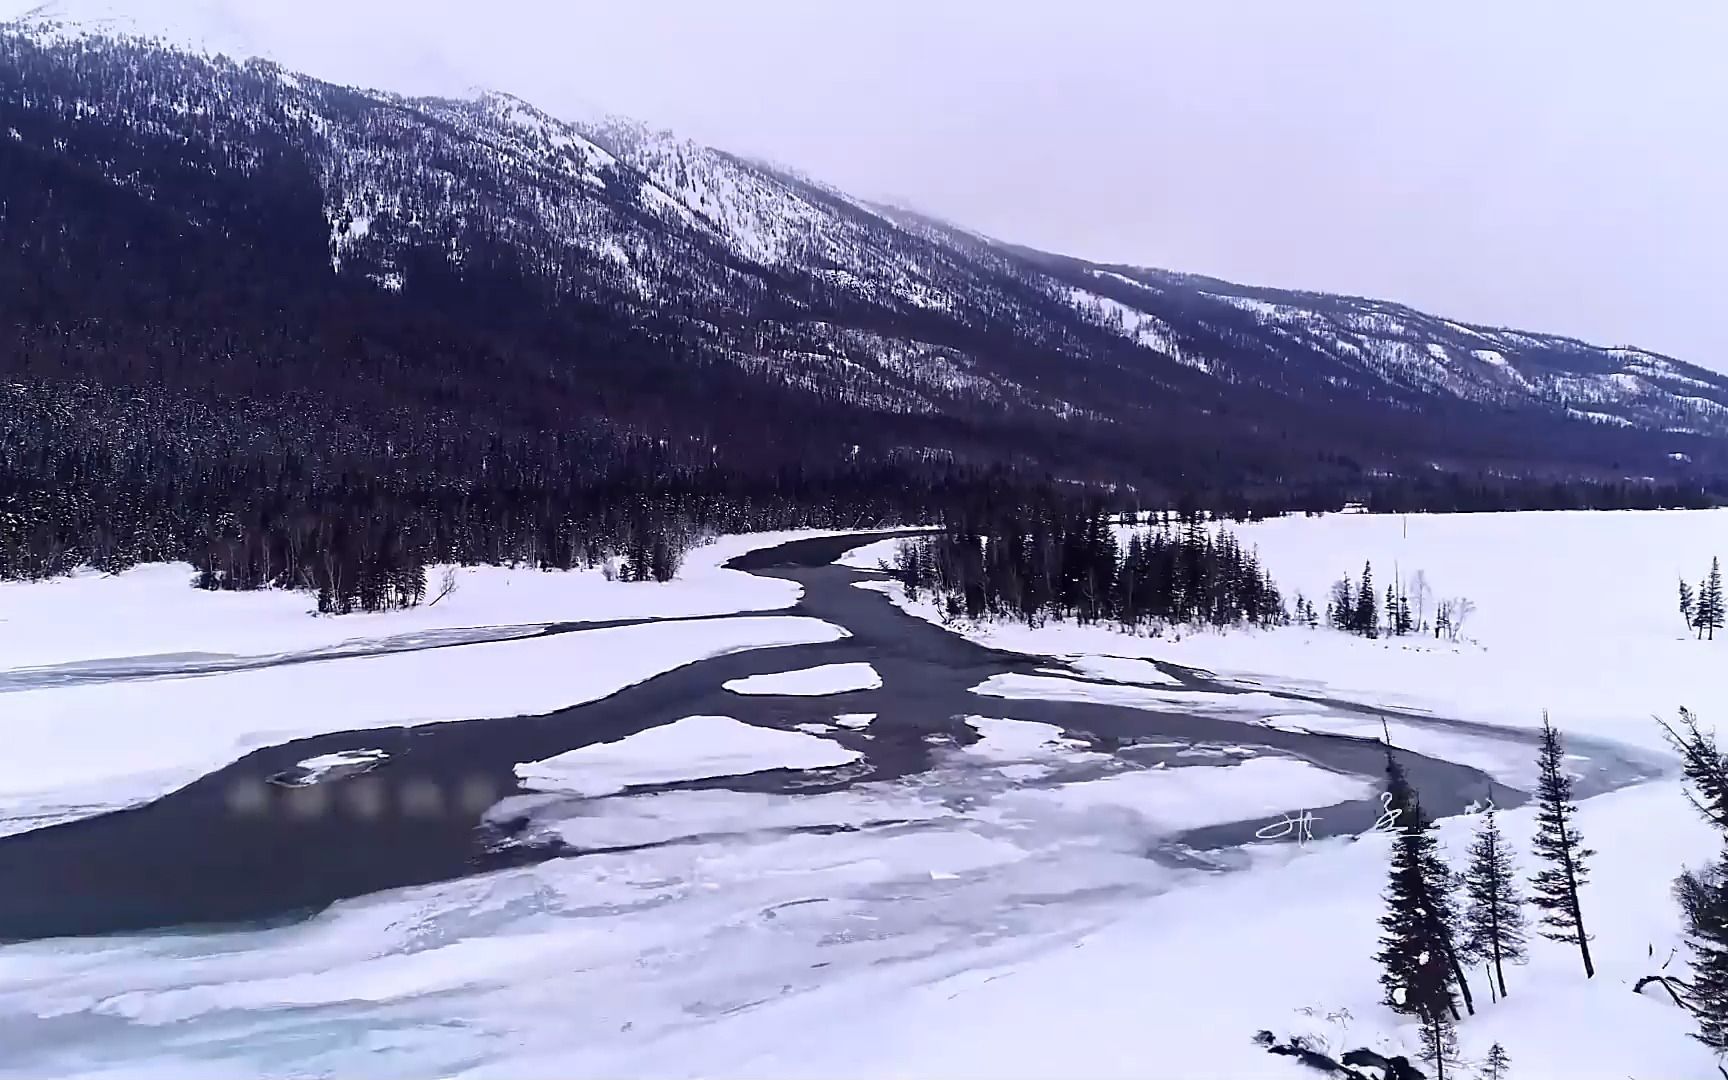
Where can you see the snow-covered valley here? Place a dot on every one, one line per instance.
(819, 853)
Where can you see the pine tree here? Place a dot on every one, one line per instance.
(1709, 946)
(1494, 917)
(1367, 621)
(1688, 604)
(1497, 1063)
(1415, 940)
(1554, 889)
(1703, 766)
(1710, 609)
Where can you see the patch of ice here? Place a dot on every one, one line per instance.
(1200, 795)
(694, 748)
(1122, 669)
(343, 762)
(810, 682)
(1017, 740)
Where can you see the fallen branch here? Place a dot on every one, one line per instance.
(1638, 988)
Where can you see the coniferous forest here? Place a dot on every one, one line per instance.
(1056, 562)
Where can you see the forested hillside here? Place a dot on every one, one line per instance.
(310, 335)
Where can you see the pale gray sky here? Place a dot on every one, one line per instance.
(1554, 166)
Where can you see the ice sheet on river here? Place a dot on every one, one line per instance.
(694, 748)
(811, 681)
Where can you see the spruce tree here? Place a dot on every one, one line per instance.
(1415, 943)
(1494, 917)
(1688, 604)
(1367, 622)
(1554, 889)
(1495, 1066)
(1704, 896)
(1709, 945)
(1710, 610)
(1703, 766)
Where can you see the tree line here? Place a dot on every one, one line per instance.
(1355, 607)
(1062, 562)
(353, 507)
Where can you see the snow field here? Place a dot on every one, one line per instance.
(1575, 613)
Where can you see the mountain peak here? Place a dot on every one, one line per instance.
(207, 27)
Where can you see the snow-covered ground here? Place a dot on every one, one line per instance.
(149, 611)
(1015, 910)
(1576, 612)
(1177, 987)
(873, 556)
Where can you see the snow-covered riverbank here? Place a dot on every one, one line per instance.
(1011, 910)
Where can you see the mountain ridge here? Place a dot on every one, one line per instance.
(797, 283)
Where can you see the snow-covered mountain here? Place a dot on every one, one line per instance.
(802, 288)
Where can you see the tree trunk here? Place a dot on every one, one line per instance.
(1499, 970)
(1463, 983)
(1583, 938)
(1577, 912)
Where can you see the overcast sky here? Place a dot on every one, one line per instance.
(1559, 167)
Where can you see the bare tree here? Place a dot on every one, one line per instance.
(446, 585)
(1451, 615)
(1466, 607)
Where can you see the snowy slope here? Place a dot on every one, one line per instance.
(812, 291)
